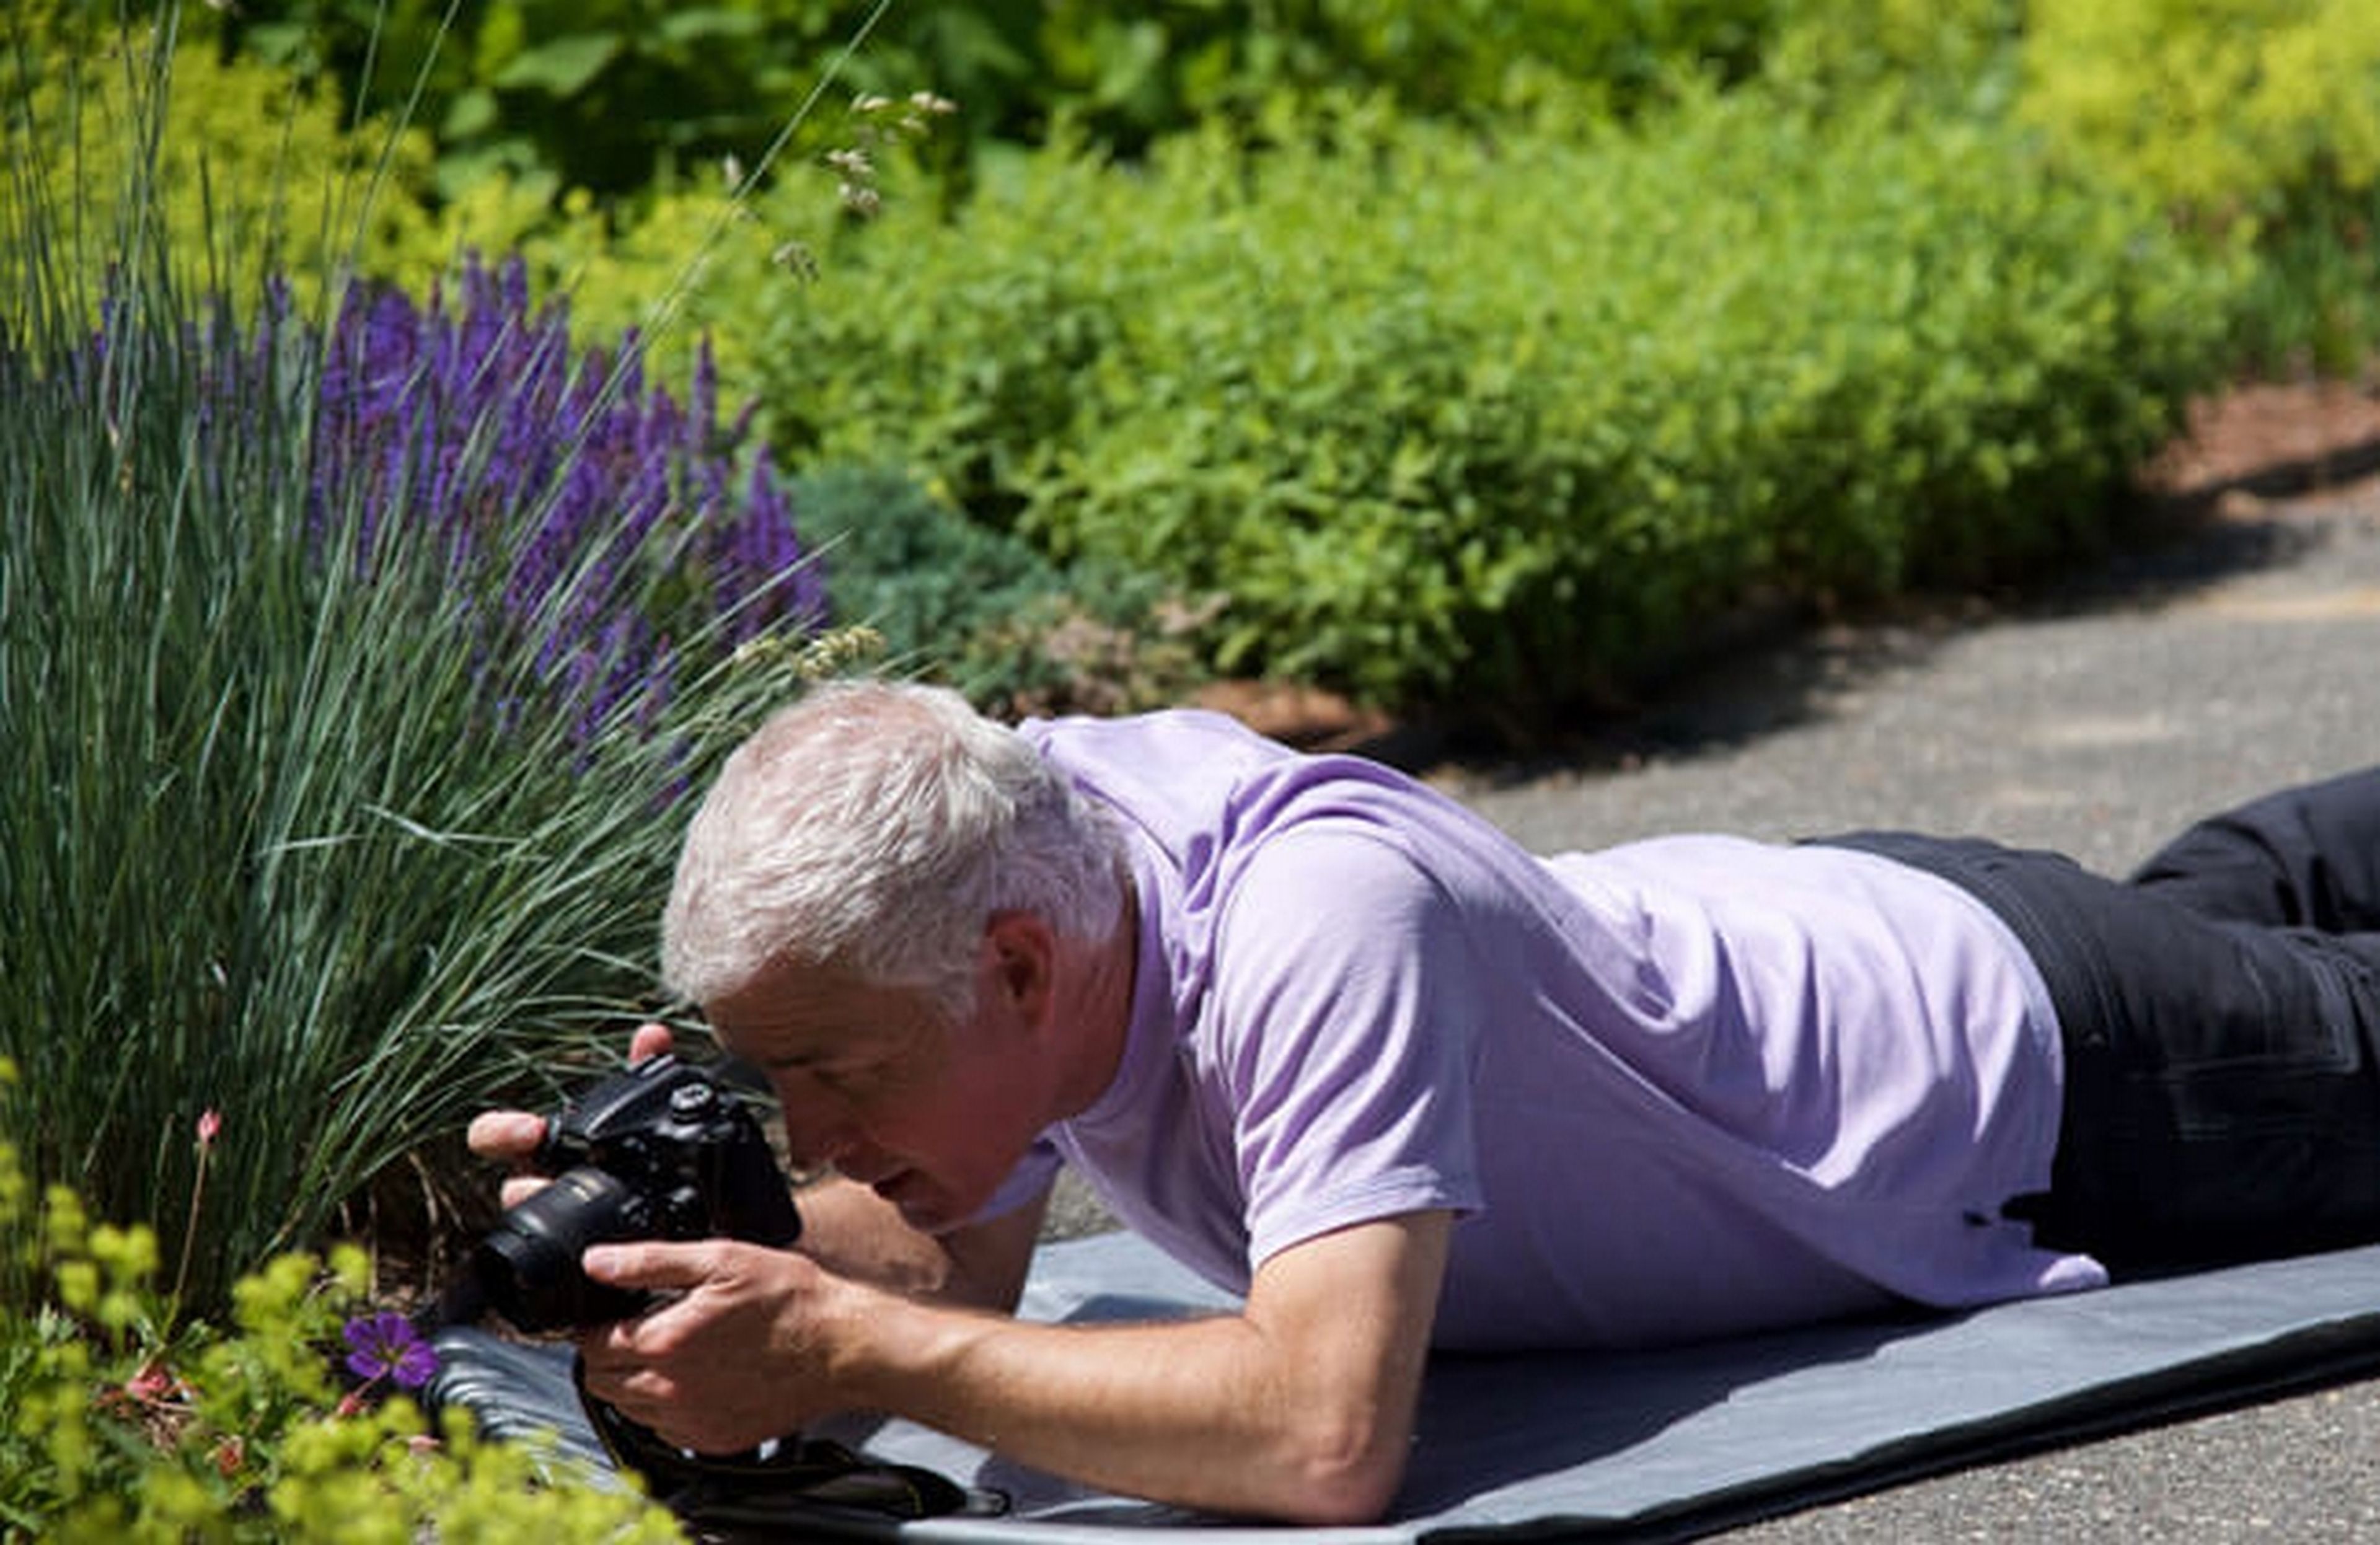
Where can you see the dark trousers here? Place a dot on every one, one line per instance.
(2220, 1013)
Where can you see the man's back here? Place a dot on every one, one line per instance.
(1681, 1088)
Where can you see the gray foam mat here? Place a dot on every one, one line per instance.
(1672, 1443)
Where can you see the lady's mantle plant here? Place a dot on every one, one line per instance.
(118, 1423)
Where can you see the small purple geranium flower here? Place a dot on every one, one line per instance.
(387, 1346)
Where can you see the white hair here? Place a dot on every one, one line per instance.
(875, 828)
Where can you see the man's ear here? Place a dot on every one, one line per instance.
(1022, 954)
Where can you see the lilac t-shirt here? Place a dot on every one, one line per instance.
(1677, 1089)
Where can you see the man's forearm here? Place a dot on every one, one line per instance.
(854, 1234)
(1301, 1406)
(1210, 1414)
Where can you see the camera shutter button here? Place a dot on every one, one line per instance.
(688, 1099)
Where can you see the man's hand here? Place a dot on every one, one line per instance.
(742, 1354)
(844, 1225)
(1301, 1406)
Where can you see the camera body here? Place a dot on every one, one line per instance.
(658, 1151)
(661, 1151)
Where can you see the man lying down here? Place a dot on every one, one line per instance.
(1349, 1052)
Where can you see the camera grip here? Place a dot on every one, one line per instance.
(754, 1202)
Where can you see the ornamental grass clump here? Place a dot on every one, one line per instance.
(351, 656)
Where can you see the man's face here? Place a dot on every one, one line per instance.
(931, 1117)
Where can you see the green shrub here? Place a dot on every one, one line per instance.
(612, 96)
(607, 96)
(238, 150)
(1444, 415)
(2222, 109)
(2240, 116)
(2314, 299)
(250, 171)
(684, 273)
(1957, 54)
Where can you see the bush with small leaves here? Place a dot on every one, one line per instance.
(1752, 349)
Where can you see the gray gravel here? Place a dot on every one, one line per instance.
(2097, 721)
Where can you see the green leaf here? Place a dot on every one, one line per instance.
(708, 22)
(564, 66)
(473, 114)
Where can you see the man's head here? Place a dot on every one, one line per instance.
(894, 910)
(874, 829)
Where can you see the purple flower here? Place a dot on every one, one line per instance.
(613, 530)
(387, 1346)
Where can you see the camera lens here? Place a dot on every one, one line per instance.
(528, 1265)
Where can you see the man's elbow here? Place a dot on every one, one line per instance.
(1350, 1498)
(1343, 1476)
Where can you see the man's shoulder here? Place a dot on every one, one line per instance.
(1310, 873)
(1135, 737)
(1211, 791)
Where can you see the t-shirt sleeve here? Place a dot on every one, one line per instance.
(1345, 983)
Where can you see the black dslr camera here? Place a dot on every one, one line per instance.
(660, 1152)
(657, 1152)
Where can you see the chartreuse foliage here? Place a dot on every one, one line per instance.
(259, 173)
(120, 1422)
(2240, 116)
(2222, 109)
(1439, 414)
(251, 174)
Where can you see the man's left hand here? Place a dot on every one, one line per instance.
(739, 1358)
